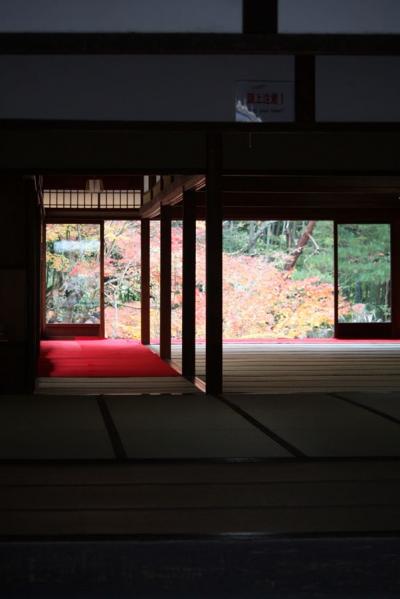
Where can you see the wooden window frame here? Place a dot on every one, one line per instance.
(370, 330)
(67, 331)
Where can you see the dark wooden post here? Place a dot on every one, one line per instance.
(145, 281)
(395, 276)
(305, 89)
(260, 16)
(165, 283)
(214, 307)
(189, 286)
(32, 207)
(102, 331)
(335, 279)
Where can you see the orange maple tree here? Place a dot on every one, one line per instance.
(260, 299)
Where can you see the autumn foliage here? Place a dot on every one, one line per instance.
(261, 299)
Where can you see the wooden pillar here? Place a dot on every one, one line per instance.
(395, 276)
(33, 224)
(214, 306)
(189, 286)
(335, 279)
(165, 283)
(102, 330)
(43, 267)
(145, 281)
(305, 89)
(260, 16)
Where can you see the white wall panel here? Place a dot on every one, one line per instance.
(121, 15)
(358, 88)
(339, 16)
(137, 88)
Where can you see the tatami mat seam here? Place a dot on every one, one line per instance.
(112, 430)
(261, 427)
(365, 407)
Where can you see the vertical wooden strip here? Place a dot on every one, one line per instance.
(395, 276)
(189, 286)
(102, 328)
(336, 278)
(145, 281)
(32, 209)
(43, 274)
(260, 16)
(165, 284)
(305, 89)
(214, 273)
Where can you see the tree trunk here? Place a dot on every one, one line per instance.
(255, 233)
(301, 244)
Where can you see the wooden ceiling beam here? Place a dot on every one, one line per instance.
(172, 195)
(199, 43)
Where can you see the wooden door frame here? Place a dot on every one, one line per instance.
(373, 330)
(65, 331)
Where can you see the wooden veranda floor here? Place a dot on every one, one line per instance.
(289, 368)
(264, 368)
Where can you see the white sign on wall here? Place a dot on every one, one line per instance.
(264, 101)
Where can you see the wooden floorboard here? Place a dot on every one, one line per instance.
(288, 368)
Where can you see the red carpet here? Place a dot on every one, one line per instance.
(100, 358)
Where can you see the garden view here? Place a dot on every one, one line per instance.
(278, 277)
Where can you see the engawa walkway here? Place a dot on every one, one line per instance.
(290, 368)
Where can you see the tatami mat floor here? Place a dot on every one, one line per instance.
(322, 425)
(197, 426)
(199, 465)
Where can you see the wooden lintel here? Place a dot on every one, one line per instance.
(90, 214)
(303, 213)
(369, 213)
(310, 183)
(310, 198)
